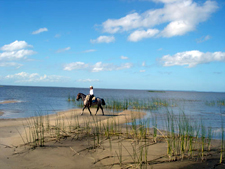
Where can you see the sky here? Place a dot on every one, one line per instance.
(114, 44)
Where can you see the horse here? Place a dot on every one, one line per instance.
(99, 102)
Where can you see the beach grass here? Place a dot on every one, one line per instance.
(185, 138)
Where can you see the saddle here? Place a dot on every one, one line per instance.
(93, 99)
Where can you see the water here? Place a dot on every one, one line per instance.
(43, 100)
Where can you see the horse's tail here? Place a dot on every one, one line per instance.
(103, 102)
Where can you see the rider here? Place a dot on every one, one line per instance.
(91, 95)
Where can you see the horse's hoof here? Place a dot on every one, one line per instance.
(81, 114)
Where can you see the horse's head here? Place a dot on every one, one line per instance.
(78, 96)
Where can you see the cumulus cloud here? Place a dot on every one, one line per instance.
(176, 28)
(103, 39)
(15, 51)
(140, 34)
(39, 31)
(16, 55)
(63, 50)
(34, 77)
(75, 66)
(124, 57)
(16, 45)
(179, 16)
(97, 67)
(192, 58)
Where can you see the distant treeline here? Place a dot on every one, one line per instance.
(160, 91)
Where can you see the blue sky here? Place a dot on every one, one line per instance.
(123, 44)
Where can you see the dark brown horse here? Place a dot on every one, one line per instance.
(98, 101)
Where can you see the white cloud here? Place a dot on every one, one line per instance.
(126, 23)
(10, 64)
(88, 80)
(140, 34)
(103, 39)
(203, 39)
(16, 45)
(192, 58)
(63, 50)
(177, 28)
(181, 17)
(34, 77)
(15, 51)
(39, 31)
(88, 51)
(97, 67)
(124, 57)
(75, 66)
(16, 55)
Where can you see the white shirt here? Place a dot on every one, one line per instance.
(91, 92)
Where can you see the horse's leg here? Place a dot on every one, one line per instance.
(102, 110)
(89, 110)
(83, 110)
(97, 110)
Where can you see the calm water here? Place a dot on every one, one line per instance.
(34, 100)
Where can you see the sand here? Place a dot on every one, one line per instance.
(78, 152)
(8, 101)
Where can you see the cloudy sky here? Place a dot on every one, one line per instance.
(123, 44)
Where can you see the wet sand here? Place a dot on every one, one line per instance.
(77, 151)
(8, 101)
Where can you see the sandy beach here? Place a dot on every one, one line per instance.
(72, 148)
(8, 101)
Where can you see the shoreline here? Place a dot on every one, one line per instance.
(73, 149)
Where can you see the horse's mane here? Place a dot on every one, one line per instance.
(82, 94)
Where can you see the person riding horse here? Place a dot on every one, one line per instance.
(98, 102)
(91, 95)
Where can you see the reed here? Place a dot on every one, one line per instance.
(68, 98)
(120, 155)
(203, 133)
(134, 126)
(191, 136)
(222, 140)
(154, 123)
(209, 138)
